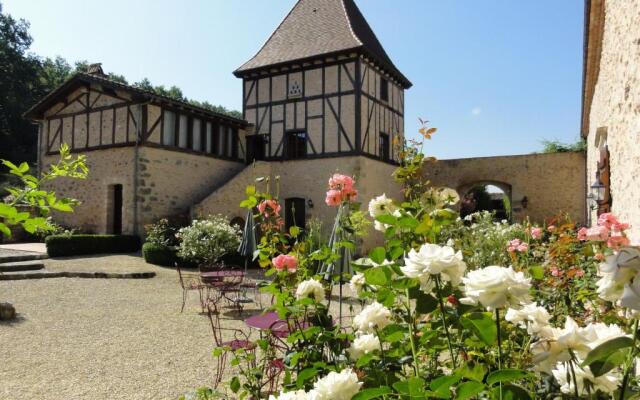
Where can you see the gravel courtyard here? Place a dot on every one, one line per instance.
(104, 338)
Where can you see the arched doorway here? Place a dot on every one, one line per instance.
(486, 196)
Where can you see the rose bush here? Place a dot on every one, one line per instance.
(452, 308)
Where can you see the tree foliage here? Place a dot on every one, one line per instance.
(556, 146)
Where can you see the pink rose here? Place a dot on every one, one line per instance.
(617, 240)
(267, 207)
(555, 271)
(551, 228)
(339, 181)
(285, 261)
(595, 234)
(536, 233)
(517, 245)
(334, 198)
(607, 220)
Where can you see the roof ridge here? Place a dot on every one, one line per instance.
(346, 15)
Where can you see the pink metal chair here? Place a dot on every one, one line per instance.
(240, 340)
(190, 282)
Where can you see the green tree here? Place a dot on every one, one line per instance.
(556, 146)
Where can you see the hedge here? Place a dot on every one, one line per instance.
(159, 254)
(74, 245)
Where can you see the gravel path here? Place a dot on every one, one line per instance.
(104, 338)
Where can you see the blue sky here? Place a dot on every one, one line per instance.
(494, 76)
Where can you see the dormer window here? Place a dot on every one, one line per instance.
(384, 89)
(384, 150)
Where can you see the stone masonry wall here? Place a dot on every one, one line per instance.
(615, 109)
(553, 183)
(306, 179)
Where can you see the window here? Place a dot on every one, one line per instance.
(294, 212)
(183, 130)
(229, 142)
(169, 129)
(209, 138)
(256, 147)
(384, 89)
(296, 145)
(196, 143)
(383, 150)
(234, 143)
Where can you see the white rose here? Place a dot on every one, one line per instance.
(432, 259)
(373, 316)
(341, 385)
(310, 287)
(381, 205)
(531, 317)
(294, 395)
(363, 344)
(357, 283)
(599, 333)
(606, 383)
(617, 272)
(631, 295)
(496, 287)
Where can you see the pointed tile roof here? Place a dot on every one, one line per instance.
(321, 27)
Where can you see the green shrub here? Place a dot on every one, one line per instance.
(159, 254)
(74, 245)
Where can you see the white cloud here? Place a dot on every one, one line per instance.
(475, 111)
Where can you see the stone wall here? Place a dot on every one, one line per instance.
(552, 183)
(169, 183)
(614, 116)
(306, 179)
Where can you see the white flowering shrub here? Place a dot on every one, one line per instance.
(206, 240)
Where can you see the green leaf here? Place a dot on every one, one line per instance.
(510, 392)
(377, 276)
(372, 393)
(443, 384)
(387, 219)
(235, 384)
(5, 230)
(605, 354)
(61, 205)
(250, 190)
(537, 272)
(305, 375)
(408, 222)
(506, 375)
(414, 387)
(482, 325)
(294, 231)
(364, 360)
(7, 211)
(468, 390)
(475, 372)
(378, 255)
(425, 303)
(23, 168)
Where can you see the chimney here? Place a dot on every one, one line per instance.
(96, 69)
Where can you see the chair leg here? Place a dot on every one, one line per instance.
(217, 378)
(184, 299)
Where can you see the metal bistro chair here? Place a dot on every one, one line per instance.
(240, 340)
(190, 282)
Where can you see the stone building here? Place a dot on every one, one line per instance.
(320, 96)
(611, 108)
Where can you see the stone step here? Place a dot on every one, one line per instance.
(16, 266)
(13, 276)
(15, 256)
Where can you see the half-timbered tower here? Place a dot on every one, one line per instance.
(322, 86)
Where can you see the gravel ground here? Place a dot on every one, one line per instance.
(104, 338)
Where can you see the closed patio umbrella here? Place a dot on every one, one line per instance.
(248, 244)
(342, 265)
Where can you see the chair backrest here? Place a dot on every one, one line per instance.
(214, 319)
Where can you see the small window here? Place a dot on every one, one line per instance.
(383, 151)
(384, 89)
(196, 143)
(296, 145)
(169, 129)
(234, 143)
(183, 130)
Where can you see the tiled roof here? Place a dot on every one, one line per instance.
(36, 112)
(321, 27)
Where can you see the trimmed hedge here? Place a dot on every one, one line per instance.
(75, 245)
(159, 254)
